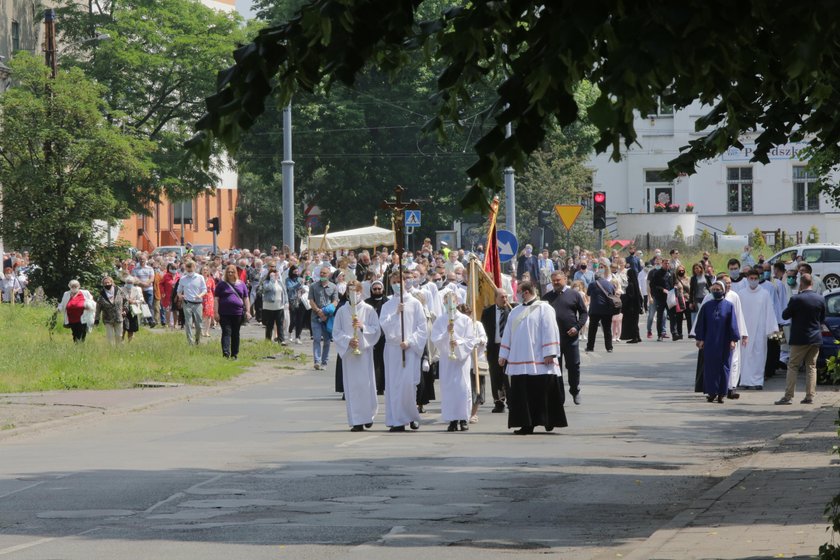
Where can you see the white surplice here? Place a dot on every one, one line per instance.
(358, 371)
(456, 394)
(760, 318)
(530, 335)
(401, 380)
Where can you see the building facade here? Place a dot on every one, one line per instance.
(729, 190)
(162, 224)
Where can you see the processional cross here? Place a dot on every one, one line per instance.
(398, 208)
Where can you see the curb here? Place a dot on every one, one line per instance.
(247, 378)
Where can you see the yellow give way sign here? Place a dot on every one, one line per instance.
(568, 213)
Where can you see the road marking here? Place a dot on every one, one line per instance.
(177, 495)
(355, 441)
(31, 544)
(7, 494)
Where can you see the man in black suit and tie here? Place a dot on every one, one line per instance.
(571, 313)
(494, 319)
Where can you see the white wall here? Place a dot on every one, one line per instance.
(660, 140)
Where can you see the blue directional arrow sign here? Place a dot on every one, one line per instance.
(508, 245)
(412, 218)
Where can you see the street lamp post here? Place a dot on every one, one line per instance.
(288, 181)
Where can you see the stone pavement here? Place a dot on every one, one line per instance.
(772, 507)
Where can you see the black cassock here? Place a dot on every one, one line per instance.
(379, 348)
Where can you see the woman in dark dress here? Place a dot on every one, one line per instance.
(631, 307)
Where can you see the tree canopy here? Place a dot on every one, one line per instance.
(63, 168)
(766, 66)
(157, 64)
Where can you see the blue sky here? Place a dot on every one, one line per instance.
(244, 7)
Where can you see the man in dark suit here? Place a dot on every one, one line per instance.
(529, 263)
(571, 312)
(494, 319)
(806, 311)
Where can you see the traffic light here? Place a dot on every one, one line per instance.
(213, 225)
(599, 210)
(542, 218)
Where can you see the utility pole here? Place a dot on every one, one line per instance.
(288, 180)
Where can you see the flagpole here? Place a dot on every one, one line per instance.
(474, 293)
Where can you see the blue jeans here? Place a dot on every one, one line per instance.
(319, 334)
(651, 314)
(149, 296)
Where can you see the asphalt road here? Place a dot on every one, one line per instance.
(271, 471)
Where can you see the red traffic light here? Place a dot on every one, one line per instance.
(599, 197)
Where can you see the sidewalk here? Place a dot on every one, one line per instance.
(772, 507)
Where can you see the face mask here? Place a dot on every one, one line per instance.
(791, 281)
(439, 284)
(395, 288)
(753, 283)
(657, 266)
(129, 285)
(717, 295)
(766, 275)
(342, 288)
(681, 273)
(108, 286)
(409, 260)
(272, 275)
(657, 254)
(324, 279)
(734, 274)
(459, 278)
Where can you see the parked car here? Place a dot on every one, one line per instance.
(824, 259)
(830, 335)
(166, 249)
(202, 250)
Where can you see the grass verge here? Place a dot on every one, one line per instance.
(33, 360)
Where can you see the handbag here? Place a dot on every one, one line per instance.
(615, 301)
(145, 311)
(671, 300)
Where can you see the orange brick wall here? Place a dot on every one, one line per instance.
(157, 228)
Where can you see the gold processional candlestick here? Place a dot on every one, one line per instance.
(451, 310)
(356, 350)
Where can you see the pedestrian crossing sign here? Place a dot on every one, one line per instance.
(412, 218)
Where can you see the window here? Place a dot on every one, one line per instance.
(656, 176)
(184, 207)
(806, 190)
(787, 257)
(830, 255)
(15, 36)
(739, 189)
(664, 109)
(812, 256)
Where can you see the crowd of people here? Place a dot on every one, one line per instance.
(401, 324)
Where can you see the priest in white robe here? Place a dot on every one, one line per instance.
(530, 345)
(355, 333)
(760, 318)
(402, 375)
(456, 335)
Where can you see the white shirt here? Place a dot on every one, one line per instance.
(193, 287)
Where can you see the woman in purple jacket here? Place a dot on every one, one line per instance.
(230, 310)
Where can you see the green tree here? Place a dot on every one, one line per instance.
(707, 240)
(758, 243)
(62, 165)
(729, 230)
(764, 70)
(352, 147)
(158, 64)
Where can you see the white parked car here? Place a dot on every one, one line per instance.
(824, 259)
